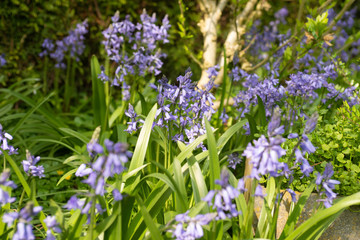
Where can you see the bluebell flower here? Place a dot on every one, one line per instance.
(72, 44)
(23, 227)
(74, 203)
(327, 184)
(241, 185)
(222, 200)
(223, 116)
(83, 171)
(53, 226)
(4, 145)
(293, 195)
(30, 168)
(281, 14)
(233, 160)
(213, 71)
(306, 144)
(191, 228)
(305, 167)
(48, 47)
(259, 192)
(274, 127)
(264, 155)
(311, 123)
(117, 195)
(4, 182)
(143, 38)
(2, 60)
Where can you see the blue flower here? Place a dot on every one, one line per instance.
(4, 182)
(2, 60)
(52, 225)
(4, 145)
(223, 198)
(30, 168)
(233, 160)
(264, 155)
(191, 228)
(327, 184)
(259, 192)
(23, 227)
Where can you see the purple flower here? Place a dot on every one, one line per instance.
(74, 203)
(305, 167)
(264, 155)
(83, 171)
(293, 195)
(2, 60)
(117, 195)
(4, 145)
(23, 227)
(223, 198)
(311, 123)
(241, 185)
(23, 231)
(259, 192)
(143, 38)
(281, 14)
(4, 195)
(191, 228)
(327, 184)
(213, 72)
(110, 161)
(30, 168)
(233, 160)
(306, 144)
(72, 44)
(52, 225)
(274, 127)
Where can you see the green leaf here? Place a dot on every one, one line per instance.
(225, 137)
(261, 114)
(143, 141)
(75, 134)
(18, 173)
(213, 155)
(69, 173)
(154, 230)
(107, 222)
(168, 180)
(98, 91)
(181, 197)
(30, 112)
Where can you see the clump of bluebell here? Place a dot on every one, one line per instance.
(324, 182)
(106, 162)
(4, 145)
(72, 44)
(23, 219)
(181, 105)
(134, 48)
(30, 167)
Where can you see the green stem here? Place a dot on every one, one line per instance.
(92, 218)
(19, 207)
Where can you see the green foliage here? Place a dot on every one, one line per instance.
(318, 26)
(338, 139)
